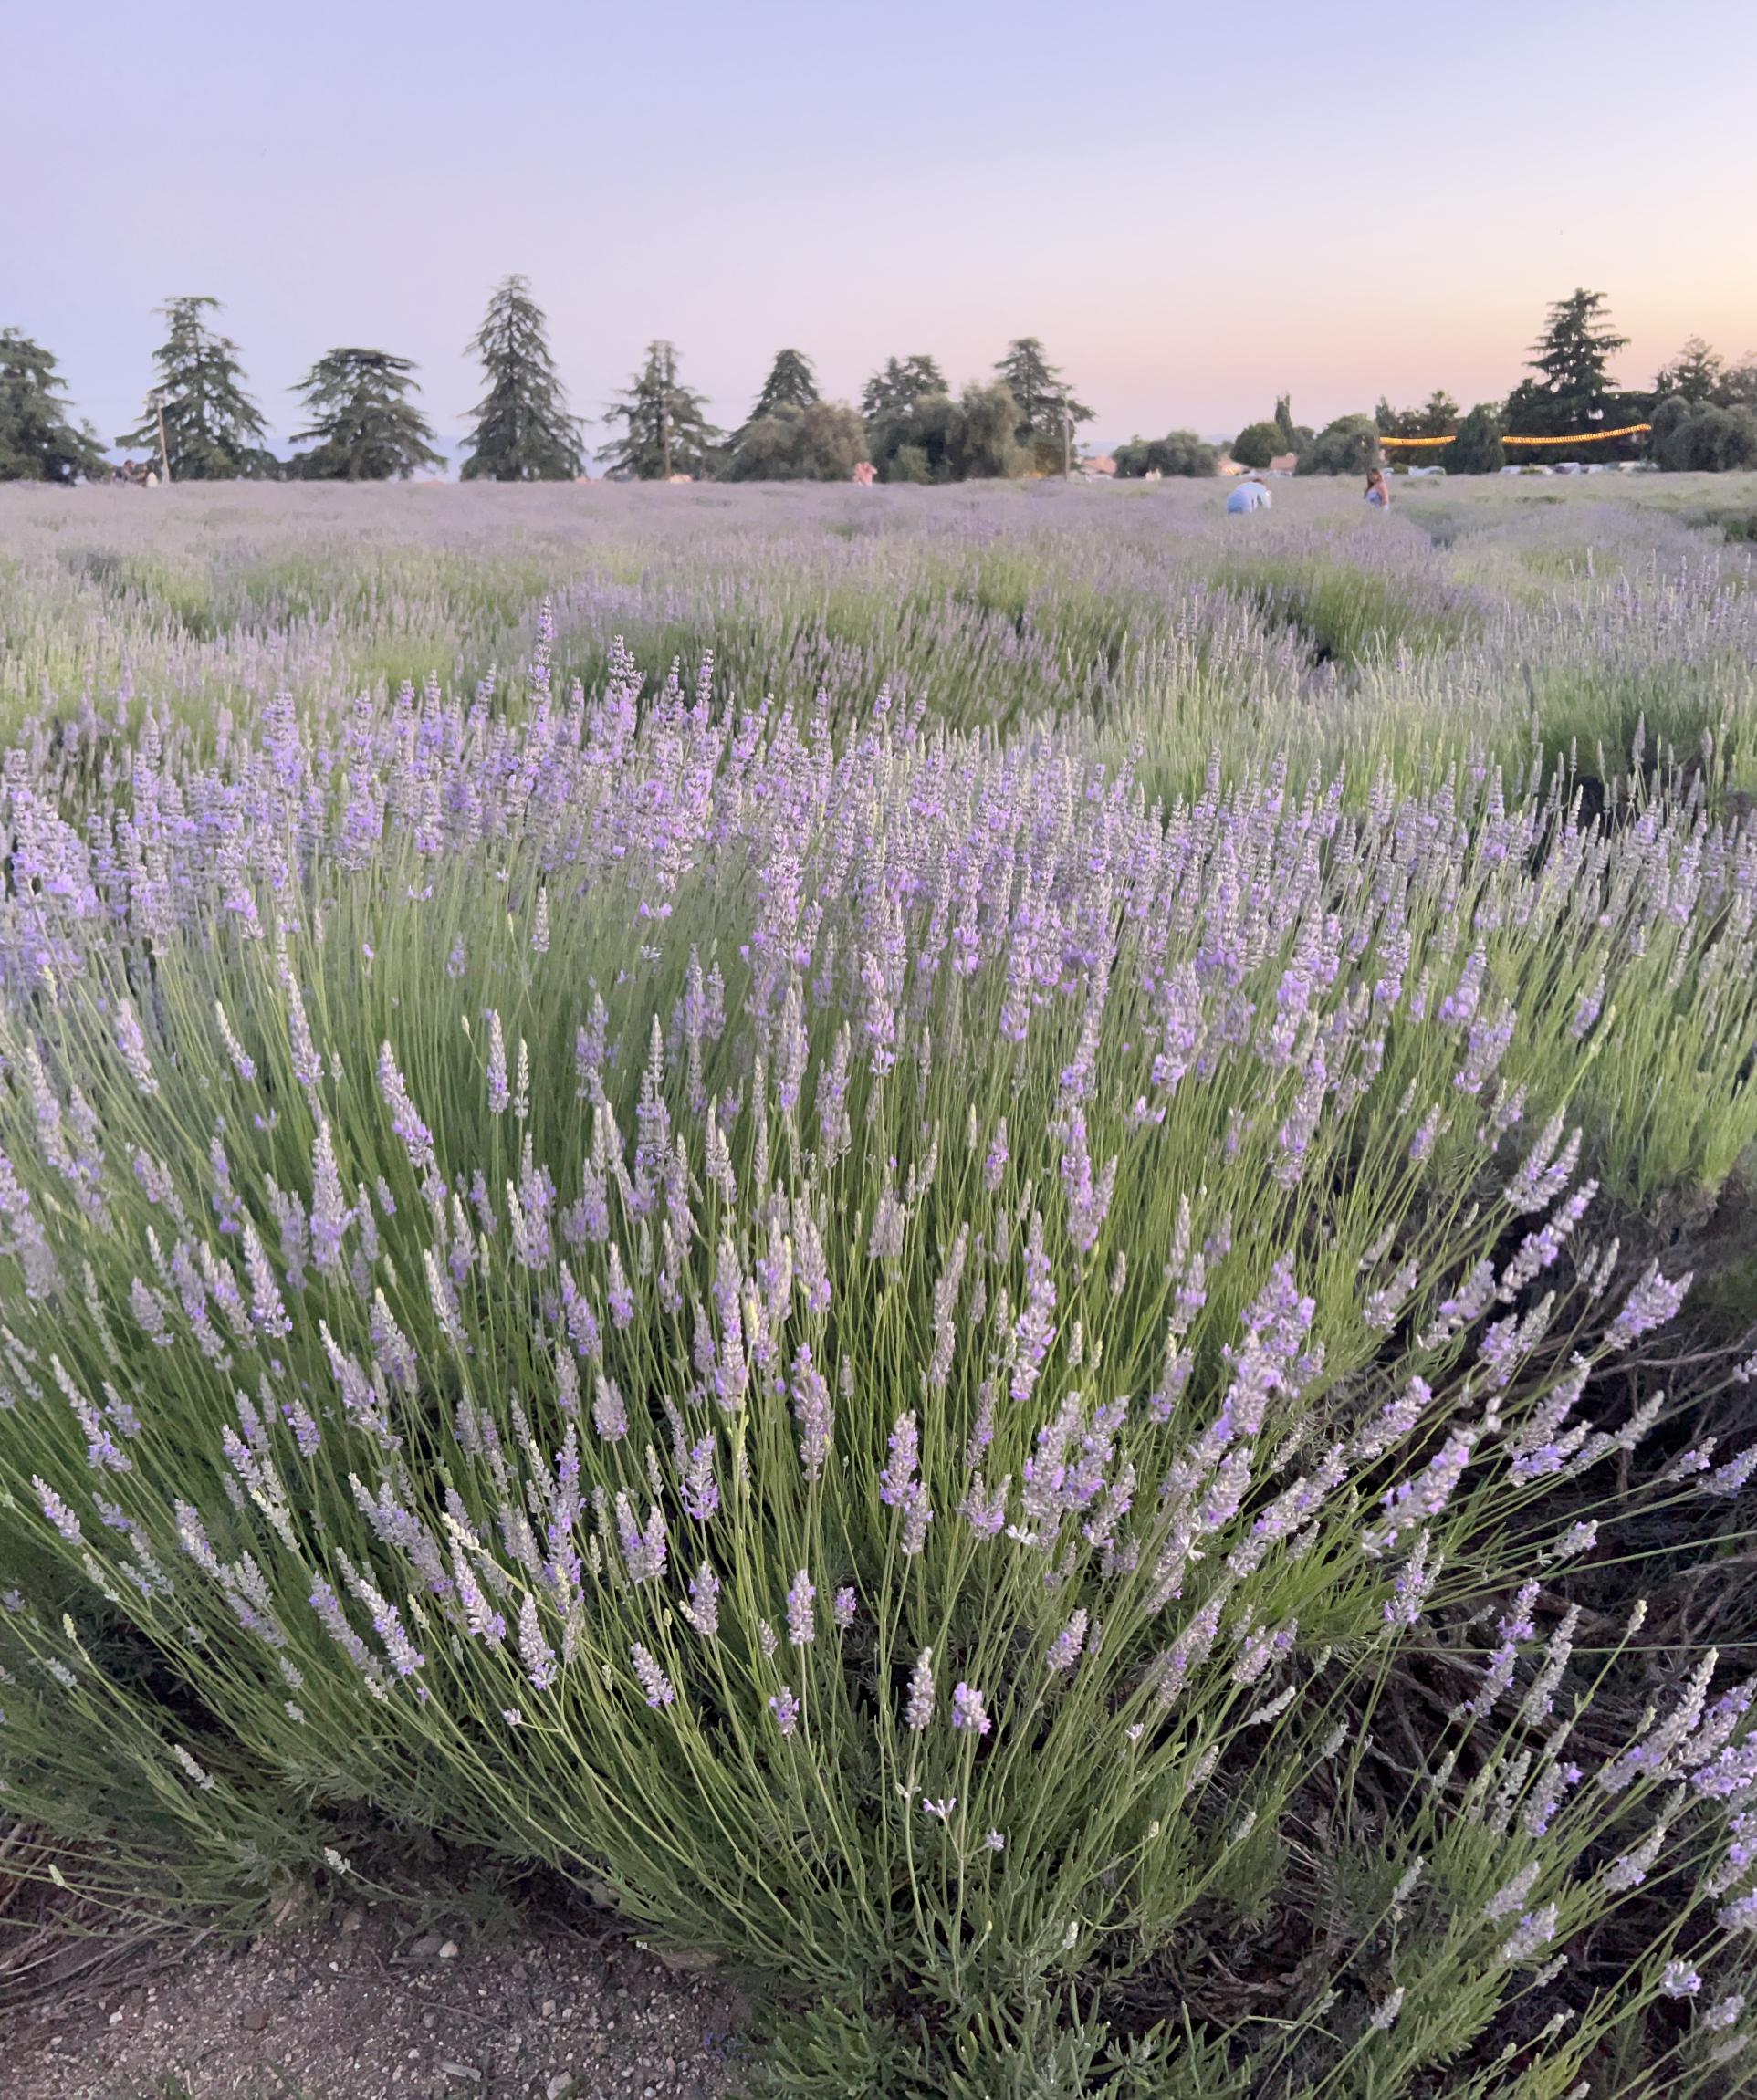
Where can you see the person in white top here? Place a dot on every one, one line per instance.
(1249, 495)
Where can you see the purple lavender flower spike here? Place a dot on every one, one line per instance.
(656, 1687)
(968, 1710)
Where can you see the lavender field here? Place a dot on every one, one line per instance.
(992, 1245)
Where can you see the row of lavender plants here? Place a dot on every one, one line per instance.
(985, 1395)
(1493, 615)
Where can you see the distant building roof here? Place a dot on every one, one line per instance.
(1102, 464)
(1284, 463)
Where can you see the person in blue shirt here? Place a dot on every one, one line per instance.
(1249, 495)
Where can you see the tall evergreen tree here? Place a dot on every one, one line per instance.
(1438, 414)
(664, 428)
(38, 440)
(1045, 399)
(523, 430)
(1573, 392)
(1284, 423)
(791, 383)
(899, 388)
(1737, 386)
(1696, 372)
(363, 426)
(213, 430)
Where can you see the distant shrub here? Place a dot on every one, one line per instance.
(983, 444)
(907, 463)
(1725, 439)
(1348, 446)
(933, 437)
(1180, 452)
(820, 441)
(1700, 437)
(1258, 443)
(1477, 448)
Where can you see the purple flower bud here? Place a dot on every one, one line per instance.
(918, 1711)
(814, 1412)
(534, 1650)
(658, 1688)
(644, 1551)
(57, 1511)
(897, 1479)
(968, 1711)
(700, 1492)
(801, 1624)
(1651, 1304)
(1064, 1650)
(609, 1414)
(704, 1607)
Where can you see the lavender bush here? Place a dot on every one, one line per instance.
(961, 1384)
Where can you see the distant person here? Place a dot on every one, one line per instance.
(1249, 495)
(1378, 490)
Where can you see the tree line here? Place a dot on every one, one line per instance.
(363, 424)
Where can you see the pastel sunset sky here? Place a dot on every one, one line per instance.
(1195, 207)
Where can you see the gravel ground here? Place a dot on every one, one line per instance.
(360, 2008)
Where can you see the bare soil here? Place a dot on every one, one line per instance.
(362, 2006)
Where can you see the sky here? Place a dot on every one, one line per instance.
(1195, 207)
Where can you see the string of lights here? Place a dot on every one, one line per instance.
(1584, 437)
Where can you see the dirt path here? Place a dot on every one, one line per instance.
(360, 2008)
